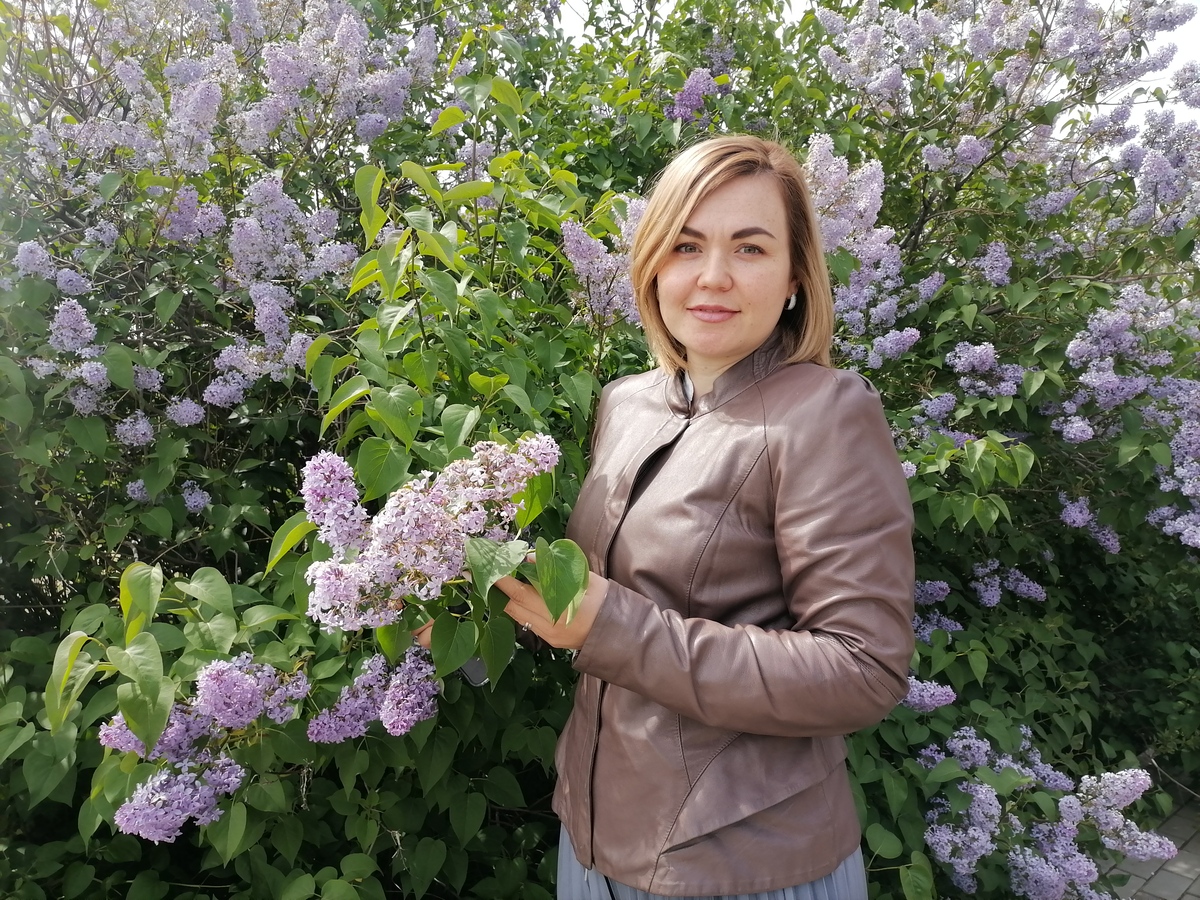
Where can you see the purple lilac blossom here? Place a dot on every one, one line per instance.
(86, 400)
(607, 291)
(41, 367)
(184, 412)
(331, 502)
(229, 694)
(32, 259)
(410, 694)
(925, 624)
(136, 491)
(929, 592)
(92, 373)
(930, 285)
(356, 708)
(926, 696)
(71, 329)
(194, 497)
(995, 263)
(147, 379)
(908, 468)
(71, 283)
(1022, 586)
(417, 541)
(135, 430)
(226, 390)
(938, 408)
(1075, 513)
(892, 345)
(690, 100)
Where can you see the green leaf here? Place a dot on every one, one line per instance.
(350, 392)
(979, 664)
(358, 866)
(140, 660)
(400, 409)
(393, 640)
(883, 842)
(423, 179)
(18, 409)
(290, 533)
(504, 92)
(502, 788)
(210, 588)
(119, 362)
(67, 680)
(497, 644)
(426, 863)
(12, 739)
(336, 889)
(226, 833)
(300, 887)
(448, 118)
(109, 183)
(421, 368)
(157, 521)
(146, 707)
(141, 586)
(538, 494)
(368, 181)
(947, 770)
(467, 191)
(166, 304)
(562, 571)
(916, 879)
(487, 385)
(380, 466)
(458, 421)
(442, 286)
(257, 616)
(454, 642)
(286, 836)
(490, 561)
(466, 816)
(89, 434)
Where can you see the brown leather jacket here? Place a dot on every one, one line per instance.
(759, 548)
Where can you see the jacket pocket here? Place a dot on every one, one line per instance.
(750, 773)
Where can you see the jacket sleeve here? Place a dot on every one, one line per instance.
(843, 534)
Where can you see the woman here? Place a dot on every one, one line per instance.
(748, 528)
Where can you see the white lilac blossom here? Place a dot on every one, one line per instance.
(416, 543)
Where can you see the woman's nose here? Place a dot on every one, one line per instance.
(716, 274)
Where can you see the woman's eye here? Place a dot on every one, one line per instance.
(686, 248)
(751, 248)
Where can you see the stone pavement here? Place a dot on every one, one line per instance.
(1175, 879)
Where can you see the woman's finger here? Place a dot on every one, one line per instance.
(424, 635)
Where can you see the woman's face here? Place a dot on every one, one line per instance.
(723, 285)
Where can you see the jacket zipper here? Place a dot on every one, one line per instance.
(604, 684)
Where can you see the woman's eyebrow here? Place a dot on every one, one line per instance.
(737, 235)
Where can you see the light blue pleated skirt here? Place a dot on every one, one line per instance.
(847, 882)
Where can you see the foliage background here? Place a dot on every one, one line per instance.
(456, 315)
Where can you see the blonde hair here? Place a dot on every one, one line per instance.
(686, 181)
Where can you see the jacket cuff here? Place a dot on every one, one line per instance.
(606, 648)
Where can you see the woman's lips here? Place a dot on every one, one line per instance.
(712, 313)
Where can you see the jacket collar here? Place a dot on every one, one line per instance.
(743, 374)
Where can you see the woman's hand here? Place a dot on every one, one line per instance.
(528, 608)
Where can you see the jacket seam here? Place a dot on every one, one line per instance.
(862, 667)
(717, 524)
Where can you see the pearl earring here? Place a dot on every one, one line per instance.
(791, 304)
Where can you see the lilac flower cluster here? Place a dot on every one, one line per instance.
(995, 263)
(197, 769)
(925, 624)
(1078, 514)
(1045, 861)
(607, 291)
(989, 577)
(926, 696)
(417, 542)
(848, 205)
(399, 698)
(982, 375)
(72, 330)
(331, 503)
(195, 498)
(689, 102)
